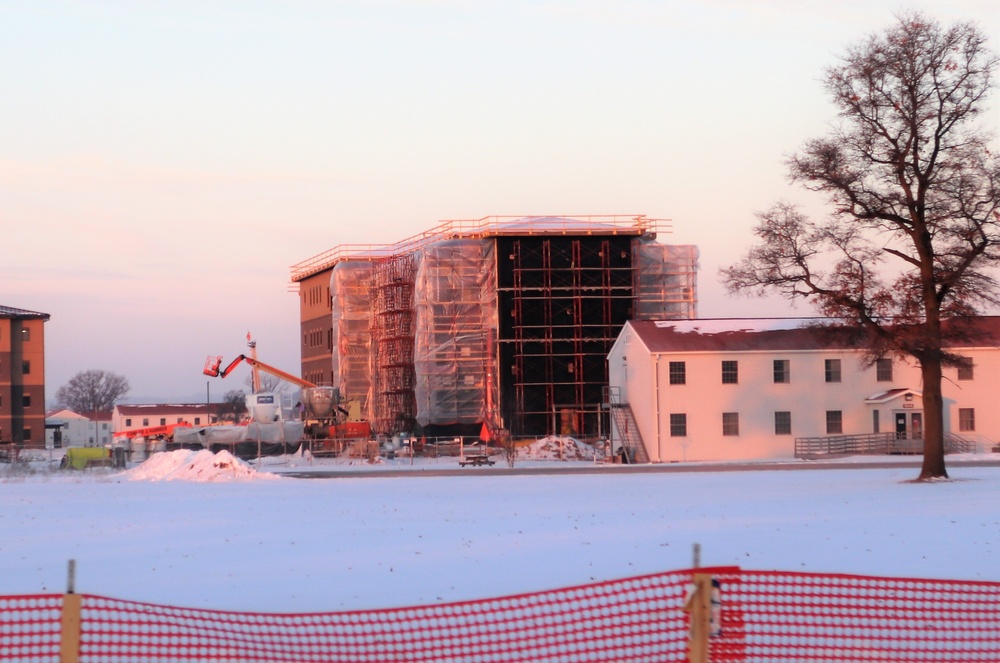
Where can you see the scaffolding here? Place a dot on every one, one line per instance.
(502, 322)
(455, 309)
(664, 281)
(350, 298)
(567, 299)
(393, 377)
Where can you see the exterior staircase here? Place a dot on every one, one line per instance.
(627, 428)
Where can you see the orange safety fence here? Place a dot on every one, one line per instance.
(764, 617)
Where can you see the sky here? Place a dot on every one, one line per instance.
(190, 529)
(163, 164)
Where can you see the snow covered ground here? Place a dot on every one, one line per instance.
(193, 529)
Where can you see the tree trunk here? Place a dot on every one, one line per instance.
(933, 466)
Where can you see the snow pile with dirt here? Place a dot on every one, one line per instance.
(556, 447)
(202, 465)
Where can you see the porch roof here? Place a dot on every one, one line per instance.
(892, 394)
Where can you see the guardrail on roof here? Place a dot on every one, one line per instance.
(489, 226)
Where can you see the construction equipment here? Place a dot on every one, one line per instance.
(212, 365)
(153, 431)
(322, 412)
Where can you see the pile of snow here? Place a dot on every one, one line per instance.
(556, 447)
(203, 465)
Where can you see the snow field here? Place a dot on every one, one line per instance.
(215, 532)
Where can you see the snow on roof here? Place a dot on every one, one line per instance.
(11, 312)
(731, 334)
(769, 334)
(886, 396)
(164, 408)
(727, 325)
(551, 223)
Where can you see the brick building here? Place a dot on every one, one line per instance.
(22, 376)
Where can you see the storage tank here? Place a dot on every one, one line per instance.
(320, 402)
(264, 407)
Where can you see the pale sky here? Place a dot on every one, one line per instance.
(162, 164)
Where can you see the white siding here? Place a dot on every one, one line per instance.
(807, 396)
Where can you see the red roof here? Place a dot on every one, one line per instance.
(165, 409)
(756, 334)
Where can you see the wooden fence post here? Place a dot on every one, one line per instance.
(699, 606)
(69, 644)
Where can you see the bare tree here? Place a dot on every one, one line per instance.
(268, 383)
(914, 229)
(233, 405)
(92, 391)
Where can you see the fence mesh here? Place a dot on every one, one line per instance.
(30, 627)
(766, 616)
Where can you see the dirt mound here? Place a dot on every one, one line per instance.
(556, 448)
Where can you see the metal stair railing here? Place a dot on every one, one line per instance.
(960, 444)
(626, 426)
(875, 444)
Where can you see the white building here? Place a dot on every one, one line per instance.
(127, 418)
(733, 389)
(66, 428)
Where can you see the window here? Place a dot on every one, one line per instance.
(883, 370)
(966, 419)
(678, 425)
(26, 400)
(163, 421)
(26, 367)
(678, 372)
(782, 423)
(197, 421)
(145, 422)
(25, 335)
(834, 421)
(833, 370)
(730, 372)
(730, 423)
(128, 423)
(965, 369)
(26, 433)
(875, 422)
(782, 372)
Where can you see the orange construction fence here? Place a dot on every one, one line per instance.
(753, 616)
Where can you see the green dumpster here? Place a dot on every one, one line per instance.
(77, 457)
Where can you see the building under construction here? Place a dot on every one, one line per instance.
(504, 322)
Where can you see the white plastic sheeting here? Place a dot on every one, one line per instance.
(666, 281)
(455, 325)
(350, 296)
(279, 431)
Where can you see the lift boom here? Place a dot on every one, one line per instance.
(212, 365)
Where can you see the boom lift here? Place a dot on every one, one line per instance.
(212, 365)
(322, 404)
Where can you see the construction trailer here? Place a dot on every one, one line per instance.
(498, 323)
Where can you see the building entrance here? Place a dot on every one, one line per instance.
(909, 425)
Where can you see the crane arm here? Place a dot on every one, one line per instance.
(278, 373)
(213, 363)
